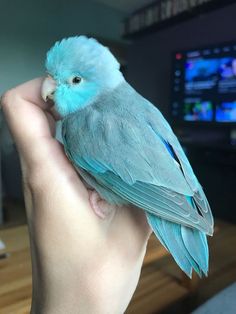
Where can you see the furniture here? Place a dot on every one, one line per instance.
(222, 302)
(15, 271)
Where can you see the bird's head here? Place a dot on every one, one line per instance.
(79, 70)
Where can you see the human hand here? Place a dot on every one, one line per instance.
(80, 262)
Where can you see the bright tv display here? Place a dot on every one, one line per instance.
(204, 85)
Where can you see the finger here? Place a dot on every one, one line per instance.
(31, 92)
(54, 113)
(32, 125)
(51, 122)
(22, 105)
(25, 112)
(100, 207)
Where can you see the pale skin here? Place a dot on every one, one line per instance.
(82, 262)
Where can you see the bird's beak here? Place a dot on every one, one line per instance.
(48, 88)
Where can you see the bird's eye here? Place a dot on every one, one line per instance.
(76, 79)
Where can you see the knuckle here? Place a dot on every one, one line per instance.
(8, 96)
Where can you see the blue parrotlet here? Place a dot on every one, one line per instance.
(123, 147)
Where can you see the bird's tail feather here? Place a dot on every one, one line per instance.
(188, 246)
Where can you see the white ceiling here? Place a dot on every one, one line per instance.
(127, 6)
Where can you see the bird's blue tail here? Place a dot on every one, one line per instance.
(188, 246)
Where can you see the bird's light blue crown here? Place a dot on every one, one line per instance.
(87, 58)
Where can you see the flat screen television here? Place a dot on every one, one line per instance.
(204, 85)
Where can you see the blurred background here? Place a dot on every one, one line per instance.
(179, 54)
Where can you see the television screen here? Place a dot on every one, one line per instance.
(204, 85)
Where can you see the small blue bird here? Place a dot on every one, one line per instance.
(124, 148)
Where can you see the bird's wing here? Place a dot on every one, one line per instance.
(137, 156)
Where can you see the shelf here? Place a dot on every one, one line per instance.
(162, 14)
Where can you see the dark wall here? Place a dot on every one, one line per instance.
(149, 58)
(149, 71)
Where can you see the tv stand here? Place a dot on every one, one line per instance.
(212, 154)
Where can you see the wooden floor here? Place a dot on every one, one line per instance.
(15, 272)
(161, 284)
